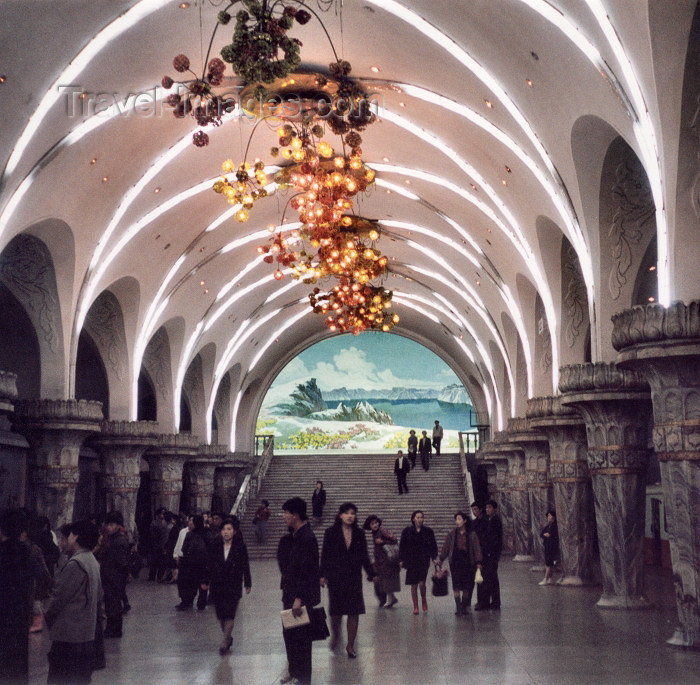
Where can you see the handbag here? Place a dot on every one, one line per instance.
(439, 579)
(478, 578)
(319, 628)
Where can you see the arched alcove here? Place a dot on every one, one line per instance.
(27, 271)
(147, 403)
(90, 374)
(19, 345)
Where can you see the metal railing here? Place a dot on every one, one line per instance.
(466, 458)
(251, 483)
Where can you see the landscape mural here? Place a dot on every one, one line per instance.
(363, 393)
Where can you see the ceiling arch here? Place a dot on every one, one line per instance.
(494, 121)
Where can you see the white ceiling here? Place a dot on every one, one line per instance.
(461, 230)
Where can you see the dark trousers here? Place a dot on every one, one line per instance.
(412, 457)
(488, 593)
(114, 609)
(436, 446)
(297, 642)
(189, 587)
(71, 662)
(156, 566)
(14, 655)
(401, 481)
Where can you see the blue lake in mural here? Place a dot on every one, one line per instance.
(421, 414)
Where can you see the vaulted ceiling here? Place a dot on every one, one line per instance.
(494, 120)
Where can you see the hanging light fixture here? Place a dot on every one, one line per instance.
(324, 178)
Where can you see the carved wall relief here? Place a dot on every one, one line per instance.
(574, 296)
(633, 208)
(105, 324)
(193, 386)
(544, 338)
(156, 359)
(26, 268)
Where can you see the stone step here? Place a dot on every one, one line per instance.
(365, 480)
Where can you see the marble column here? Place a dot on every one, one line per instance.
(199, 475)
(121, 444)
(616, 407)
(55, 431)
(539, 485)
(167, 461)
(572, 488)
(496, 465)
(516, 485)
(664, 346)
(226, 484)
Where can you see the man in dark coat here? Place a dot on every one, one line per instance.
(15, 598)
(425, 450)
(401, 468)
(113, 555)
(490, 533)
(298, 562)
(318, 502)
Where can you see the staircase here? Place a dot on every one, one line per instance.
(368, 481)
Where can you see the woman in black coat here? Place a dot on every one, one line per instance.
(343, 557)
(416, 550)
(229, 570)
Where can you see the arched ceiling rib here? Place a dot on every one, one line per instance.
(451, 211)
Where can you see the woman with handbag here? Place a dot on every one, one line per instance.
(463, 550)
(229, 570)
(343, 557)
(386, 561)
(416, 550)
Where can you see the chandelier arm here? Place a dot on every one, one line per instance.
(320, 21)
(213, 34)
(252, 133)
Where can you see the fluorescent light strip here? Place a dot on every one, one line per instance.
(559, 197)
(405, 300)
(483, 314)
(531, 263)
(504, 292)
(233, 346)
(69, 75)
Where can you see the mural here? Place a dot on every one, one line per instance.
(363, 393)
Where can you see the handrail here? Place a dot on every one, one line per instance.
(466, 473)
(251, 483)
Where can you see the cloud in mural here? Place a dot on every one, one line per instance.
(370, 362)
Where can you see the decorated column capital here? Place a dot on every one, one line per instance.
(55, 431)
(121, 444)
(166, 460)
(663, 344)
(199, 475)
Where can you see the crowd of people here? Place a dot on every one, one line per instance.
(422, 447)
(76, 581)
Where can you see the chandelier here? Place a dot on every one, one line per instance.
(305, 109)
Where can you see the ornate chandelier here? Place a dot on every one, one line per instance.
(306, 108)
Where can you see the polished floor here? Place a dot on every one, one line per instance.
(542, 636)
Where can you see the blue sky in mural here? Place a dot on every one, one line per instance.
(369, 391)
(368, 361)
